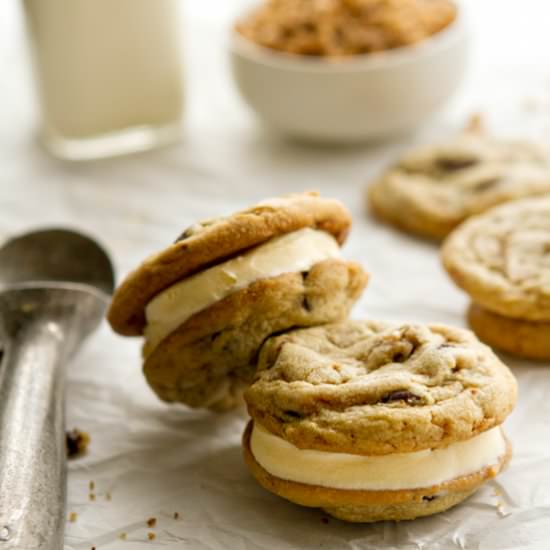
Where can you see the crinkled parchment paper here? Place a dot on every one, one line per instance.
(148, 459)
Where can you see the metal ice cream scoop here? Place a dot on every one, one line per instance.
(54, 288)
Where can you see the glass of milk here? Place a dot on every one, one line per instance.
(108, 73)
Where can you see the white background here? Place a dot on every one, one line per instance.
(156, 460)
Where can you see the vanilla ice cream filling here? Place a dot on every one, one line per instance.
(376, 473)
(294, 252)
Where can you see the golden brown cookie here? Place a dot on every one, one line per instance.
(211, 358)
(373, 388)
(433, 189)
(502, 259)
(213, 241)
(364, 506)
(372, 420)
(208, 302)
(529, 339)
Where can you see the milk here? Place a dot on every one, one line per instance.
(106, 67)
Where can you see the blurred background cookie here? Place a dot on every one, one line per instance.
(432, 189)
(502, 260)
(207, 302)
(375, 421)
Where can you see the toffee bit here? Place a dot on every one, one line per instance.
(151, 536)
(73, 516)
(92, 496)
(77, 443)
(151, 522)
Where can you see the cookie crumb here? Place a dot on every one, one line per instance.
(151, 522)
(176, 515)
(324, 520)
(77, 443)
(91, 485)
(151, 536)
(501, 510)
(108, 497)
(475, 124)
(122, 536)
(92, 496)
(73, 516)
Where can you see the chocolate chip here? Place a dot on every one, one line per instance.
(287, 33)
(451, 164)
(399, 358)
(402, 395)
(293, 414)
(194, 229)
(429, 498)
(487, 184)
(305, 300)
(185, 235)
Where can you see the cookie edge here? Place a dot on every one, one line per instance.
(225, 239)
(316, 496)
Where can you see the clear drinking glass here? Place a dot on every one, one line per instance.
(109, 74)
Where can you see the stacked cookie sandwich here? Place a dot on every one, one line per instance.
(374, 421)
(502, 260)
(367, 420)
(206, 303)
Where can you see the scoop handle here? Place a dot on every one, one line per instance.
(40, 330)
(32, 438)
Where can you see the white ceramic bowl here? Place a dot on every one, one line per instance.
(364, 97)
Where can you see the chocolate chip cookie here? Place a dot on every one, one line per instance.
(207, 302)
(373, 421)
(433, 189)
(502, 260)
